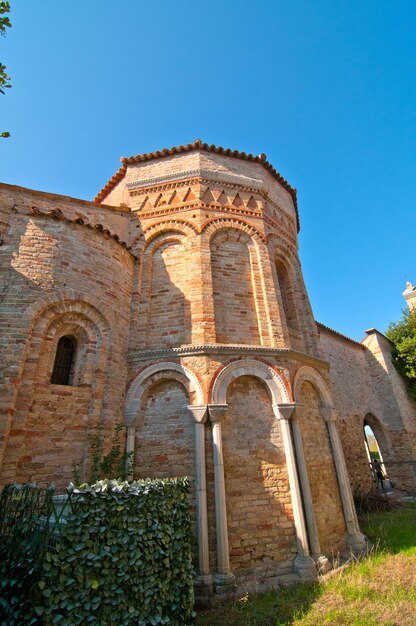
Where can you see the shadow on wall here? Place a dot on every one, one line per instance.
(232, 258)
(321, 470)
(166, 286)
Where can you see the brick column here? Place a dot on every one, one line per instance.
(200, 414)
(320, 559)
(203, 324)
(223, 577)
(304, 564)
(355, 539)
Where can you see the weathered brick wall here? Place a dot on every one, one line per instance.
(322, 475)
(354, 397)
(352, 438)
(367, 387)
(207, 231)
(200, 193)
(115, 218)
(55, 434)
(55, 270)
(165, 439)
(390, 385)
(165, 433)
(234, 303)
(168, 306)
(260, 520)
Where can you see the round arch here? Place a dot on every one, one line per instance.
(160, 371)
(275, 382)
(167, 236)
(166, 226)
(309, 375)
(379, 431)
(213, 226)
(278, 245)
(45, 308)
(173, 227)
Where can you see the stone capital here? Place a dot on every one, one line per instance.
(299, 412)
(217, 412)
(284, 411)
(199, 412)
(130, 417)
(329, 413)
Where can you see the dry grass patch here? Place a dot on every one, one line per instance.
(378, 591)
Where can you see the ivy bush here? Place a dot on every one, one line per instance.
(24, 534)
(124, 557)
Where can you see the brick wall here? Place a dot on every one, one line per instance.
(260, 520)
(234, 303)
(168, 305)
(322, 475)
(165, 435)
(59, 278)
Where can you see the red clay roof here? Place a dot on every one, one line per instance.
(197, 145)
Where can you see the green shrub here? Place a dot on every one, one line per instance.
(24, 535)
(124, 557)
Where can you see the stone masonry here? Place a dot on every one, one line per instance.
(179, 296)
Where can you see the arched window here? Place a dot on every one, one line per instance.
(63, 367)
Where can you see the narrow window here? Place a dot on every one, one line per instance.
(63, 366)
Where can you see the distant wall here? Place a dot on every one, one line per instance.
(368, 389)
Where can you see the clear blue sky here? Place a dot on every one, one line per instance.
(326, 88)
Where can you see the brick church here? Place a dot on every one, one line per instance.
(175, 303)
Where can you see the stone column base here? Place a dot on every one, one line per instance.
(323, 564)
(357, 543)
(305, 567)
(224, 584)
(203, 590)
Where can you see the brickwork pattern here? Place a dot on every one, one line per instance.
(260, 519)
(165, 433)
(59, 278)
(365, 383)
(234, 303)
(320, 466)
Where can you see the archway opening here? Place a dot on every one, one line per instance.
(373, 439)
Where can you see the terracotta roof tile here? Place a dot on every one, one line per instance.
(57, 214)
(197, 145)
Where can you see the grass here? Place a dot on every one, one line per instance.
(377, 591)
